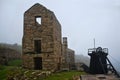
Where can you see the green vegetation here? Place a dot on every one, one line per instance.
(5, 69)
(17, 62)
(3, 72)
(64, 75)
(13, 70)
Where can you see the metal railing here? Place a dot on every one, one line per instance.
(91, 50)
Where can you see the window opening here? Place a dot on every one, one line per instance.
(37, 46)
(38, 20)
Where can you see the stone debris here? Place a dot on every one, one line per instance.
(22, 74)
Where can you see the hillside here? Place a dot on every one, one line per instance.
(9, 52)
(12, 46)
(78, 58)
(82, 59)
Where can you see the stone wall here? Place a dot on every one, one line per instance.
(48, 32)
(71, 58)
(64, 49)
(68, 59)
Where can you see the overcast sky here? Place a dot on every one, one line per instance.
(81, 20)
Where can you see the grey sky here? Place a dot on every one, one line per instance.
(81, 20)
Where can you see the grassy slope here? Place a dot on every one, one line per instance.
(4, 69)
(56, 76)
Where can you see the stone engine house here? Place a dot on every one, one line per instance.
(42, 47)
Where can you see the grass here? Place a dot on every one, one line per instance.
(3, 72)
(5, 69)
(14, 64)
(17, 62)
(64, 75)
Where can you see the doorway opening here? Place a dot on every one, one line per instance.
(38, 63)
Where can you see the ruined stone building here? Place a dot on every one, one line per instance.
(68, 56)
(42, 40)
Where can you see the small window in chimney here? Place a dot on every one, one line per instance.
(38, 20)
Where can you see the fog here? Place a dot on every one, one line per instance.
(81, 20)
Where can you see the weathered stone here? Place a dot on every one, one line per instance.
(68, 60)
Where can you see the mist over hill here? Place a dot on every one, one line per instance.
(78, 57)
(12, 46)
(82, 59)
